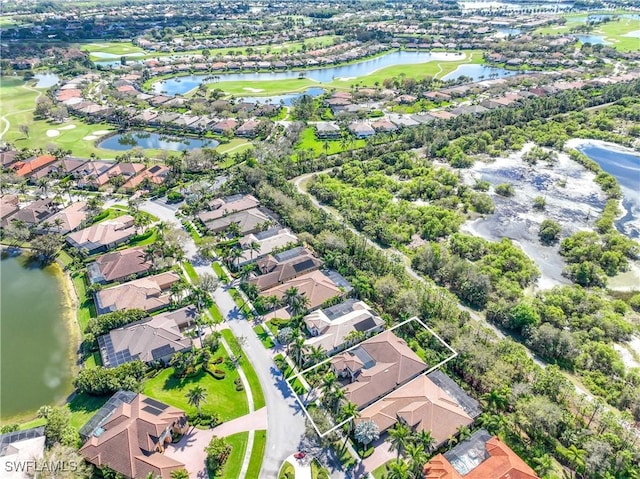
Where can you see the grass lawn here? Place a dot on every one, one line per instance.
(93, 360)
(242, 306)
(34, 423)
(264, 87)
(191, 272)
(263, 336)
(83, 406)
(252, 377)
(114, 48)
(217, 269)
(257, 453)
(142, 241)
(287, 470)
(236, 145)
(379, 472)
(222, 397)
(317, 471)
(233, 465)
(309, 141)
(86, 307)
(215, 313)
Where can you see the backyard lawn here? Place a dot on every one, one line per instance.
(222, 397)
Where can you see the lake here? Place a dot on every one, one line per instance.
(593, 39)
(155, 141)
(625, 166)
(46, 80)
(479, 72)
(287, 100)
(34, 340)
(183, 84)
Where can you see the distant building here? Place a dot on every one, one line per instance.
(18, 449)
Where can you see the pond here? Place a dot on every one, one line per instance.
(155, 141)
(509, 31)
(46, 80)
(34, 339)
(599, 17)
(625, 166)
(479, 72)
(184, 84)
(593, 39)
(287, 100)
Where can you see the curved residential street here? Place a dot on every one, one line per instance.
(285, 420)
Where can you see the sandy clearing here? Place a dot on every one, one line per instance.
(52, 133)
(253, 90)
(67, 127)
(90, 137)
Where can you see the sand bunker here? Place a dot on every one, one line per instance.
(90, 137)
(67, 127)
(253, 90)
(100, 133)
(52, 133)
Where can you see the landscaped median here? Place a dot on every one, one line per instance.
(245, 364)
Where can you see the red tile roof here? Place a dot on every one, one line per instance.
(25, 168)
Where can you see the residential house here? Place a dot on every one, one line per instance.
(36, 212)
(7, 158)
(422, 406)
(375, 367)
(19, 450)
(119, 265)
(481, 456)
(249, 129)
(284, 266)
(384, 126)
(154, 175)
(327, 130)
(152, 339)
(68, 219)
(149, 294)
(248, 221)
(268, 241)
(224, 125)
(129, 435)
(469, 110)
(27, 168)
(8, 206)
(361, 130)
(224, 206)
(124, 170)
(318, 287)
(86, 174)
(330, 326)
(441, 115)
(104, 236)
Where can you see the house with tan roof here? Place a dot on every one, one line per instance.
(284, 266)
(268, 241)
(422, 406)
(119, 265)
(152, 339)
(68, 219)
(376, 367)
(104, 236)
(154, 175)
(482, 456)
(8, 206)
(126, 170)
(318, 287)
(330, 326)
(224, 206)
(148, 294)
(131, 437)
(248, 221)
(36, 212)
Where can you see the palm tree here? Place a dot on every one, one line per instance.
(254, 247)
(296, 350)
(399, 438)
(397, 470)
(576, 457)
(496, 400)
(295, 300)
(234, 255)
(425, 439)
(58, 222)
(349, 411)
(543, 464)
(417, 458)
(195, 396)
(315, 354)
(179, 474)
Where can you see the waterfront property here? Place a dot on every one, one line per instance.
(149, 294)
(66, 220)
(156, 338)
(18, 448)
(104, 236)
(132, 436)
(119, 265)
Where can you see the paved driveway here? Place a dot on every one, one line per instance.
(190, 451)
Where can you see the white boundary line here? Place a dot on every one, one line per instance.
(433, 368)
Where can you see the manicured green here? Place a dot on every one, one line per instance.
(380, 471)
(144, 240)
(257, 453)
(215, 313)
(191, 272)
(222, 397)
(264, 336)
(231, 469)
(252, 377)
(309, 141)
(287, 471)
